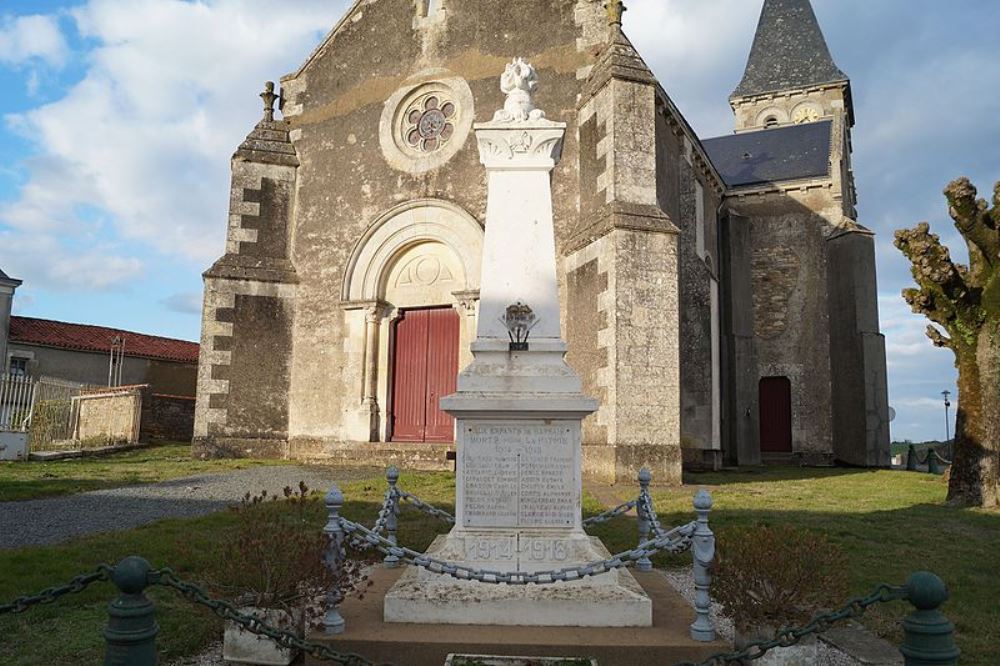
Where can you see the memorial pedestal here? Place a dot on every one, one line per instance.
(518, 411)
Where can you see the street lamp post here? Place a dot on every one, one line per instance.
(947, 421)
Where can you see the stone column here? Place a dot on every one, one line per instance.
(373, 324)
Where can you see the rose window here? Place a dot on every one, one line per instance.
(429, 123)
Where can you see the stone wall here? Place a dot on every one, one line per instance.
(740, 420)
(108, 417)
(791, 318)
(167, 418)
(860, 394)
(342, 109)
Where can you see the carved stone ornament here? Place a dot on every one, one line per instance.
(519, 82)
(519, 136)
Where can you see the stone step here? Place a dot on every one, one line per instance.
(666, 642)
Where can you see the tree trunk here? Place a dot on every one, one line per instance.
(975, 472)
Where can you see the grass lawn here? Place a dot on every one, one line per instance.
(30, 480)
(889, 524)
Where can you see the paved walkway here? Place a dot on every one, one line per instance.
(53, 520)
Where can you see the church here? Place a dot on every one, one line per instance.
(718, 294)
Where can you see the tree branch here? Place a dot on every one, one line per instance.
(933, 268)
(976, 223)
(938, 338)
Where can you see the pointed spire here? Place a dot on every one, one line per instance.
(269, 98)
(789, 51)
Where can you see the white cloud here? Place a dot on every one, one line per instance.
(145, 137)
(32, 38)
(697, 50)
(184, 303)
(42, 262)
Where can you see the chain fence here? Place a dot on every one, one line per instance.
(131, 629)
(53, 594)
(789, 636)
(227, 611)
(932, 460)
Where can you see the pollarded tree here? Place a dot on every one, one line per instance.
(964, 302)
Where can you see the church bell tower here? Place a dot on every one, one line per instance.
(790, 77)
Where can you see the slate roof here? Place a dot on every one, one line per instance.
(789, 51)
(772, 155)
(83, 337)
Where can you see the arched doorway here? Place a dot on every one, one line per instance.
(415, 277)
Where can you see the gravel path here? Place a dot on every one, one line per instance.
(57, 519)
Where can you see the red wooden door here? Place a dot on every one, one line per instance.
(425, 368)
(775, 415)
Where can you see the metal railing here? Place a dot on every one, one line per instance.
(17, 397)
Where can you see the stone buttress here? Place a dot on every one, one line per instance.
(243, 373)
(623, 259)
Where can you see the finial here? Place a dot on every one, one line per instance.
(269, 98)
(519, 83)
(615, 9)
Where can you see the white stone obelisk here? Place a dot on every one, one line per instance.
(518, 411)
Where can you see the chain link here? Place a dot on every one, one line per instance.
(646, 503)
(426, 508)
(677, 540)
(789, 636)
(383, 514)
(610, 513)
(76, 585)
(227, 611)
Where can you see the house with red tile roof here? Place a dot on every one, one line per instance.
(93, 355)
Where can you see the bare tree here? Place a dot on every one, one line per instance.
(964, 303)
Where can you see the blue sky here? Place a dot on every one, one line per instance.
(119, 118)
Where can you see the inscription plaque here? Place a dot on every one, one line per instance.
(519, 475)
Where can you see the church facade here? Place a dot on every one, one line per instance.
(718, 295)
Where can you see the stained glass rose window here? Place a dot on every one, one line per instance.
(429, 122)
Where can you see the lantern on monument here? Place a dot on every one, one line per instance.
(519, 320)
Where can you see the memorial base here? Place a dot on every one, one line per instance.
(613, 599)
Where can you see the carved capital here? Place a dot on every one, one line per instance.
(521, 146)
(465, 301)
(376, 312)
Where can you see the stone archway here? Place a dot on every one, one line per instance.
(422, 254)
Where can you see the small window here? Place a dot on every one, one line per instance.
(18, 367)
(699, 218)
(771, 121)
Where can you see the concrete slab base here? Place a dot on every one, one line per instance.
(613, 599)
(667, 641)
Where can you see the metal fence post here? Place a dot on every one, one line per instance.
(929, 636)
(911, 459)
(131, 632)
(703, 551)
(932, 462)
(392, 520)
(643, 519)
(333, 622)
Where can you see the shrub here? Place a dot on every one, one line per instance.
(273, 557)
(769, 577)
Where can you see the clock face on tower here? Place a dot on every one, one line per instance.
(806, 113)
